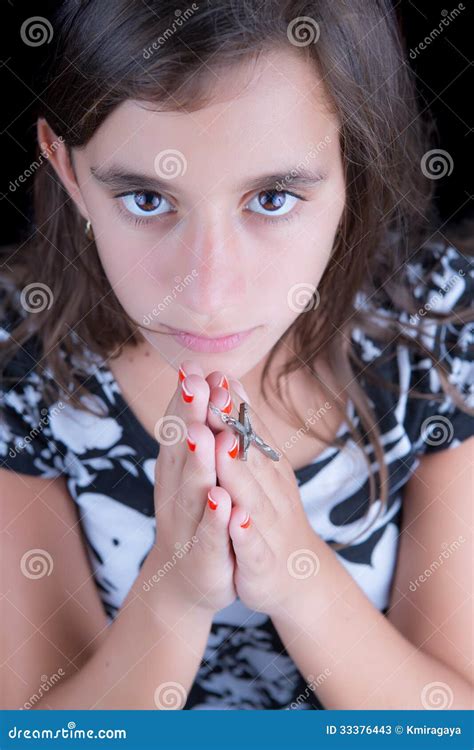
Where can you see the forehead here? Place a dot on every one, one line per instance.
(259, 115)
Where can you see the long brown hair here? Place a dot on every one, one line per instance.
(106, 53)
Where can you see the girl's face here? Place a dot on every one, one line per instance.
(220, 220)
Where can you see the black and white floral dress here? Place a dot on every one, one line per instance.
(109, 466)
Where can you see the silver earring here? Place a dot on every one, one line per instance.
(88, 231)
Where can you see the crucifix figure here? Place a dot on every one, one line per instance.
(246, 433)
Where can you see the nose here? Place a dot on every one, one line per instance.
(213, 250)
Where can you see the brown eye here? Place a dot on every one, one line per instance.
(271, 199)
(273, 203)
(145, 203)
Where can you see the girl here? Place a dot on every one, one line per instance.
(233, 209)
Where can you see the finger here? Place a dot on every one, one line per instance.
(189, 366)
(225, 401)
(252, 553)
(240, 479)
(198, 475)
(189, 403)
(218, 378)
(213, 529)
(282, 468)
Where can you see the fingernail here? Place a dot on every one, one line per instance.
(191, 444)
(228, 405)
(246, 522)
(187, 395)
(212, 503)
(224, 383)
(181, 374)
(233, 451)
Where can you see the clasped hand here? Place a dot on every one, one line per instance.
(240, 524)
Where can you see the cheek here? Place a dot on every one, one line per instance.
(132, 268)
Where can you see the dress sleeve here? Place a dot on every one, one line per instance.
(26, 444)
(445, 283)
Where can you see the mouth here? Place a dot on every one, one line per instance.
(214, 344)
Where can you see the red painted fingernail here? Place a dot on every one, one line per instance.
(181, 374)
(224, 383)
(246, 522)
(228, 406)
(191, 444)
(233, 451)
(187, 395)
(212, 503)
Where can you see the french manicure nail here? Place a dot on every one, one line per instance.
(191, 444)
(187, 395)
(233, 451)
(224, 383)
(212, 503)
(228, 405)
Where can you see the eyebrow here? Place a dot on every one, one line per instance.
(119, 178)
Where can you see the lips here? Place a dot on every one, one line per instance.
(210, 345)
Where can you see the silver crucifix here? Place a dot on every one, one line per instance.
(246, 433)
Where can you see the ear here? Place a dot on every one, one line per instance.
(56, 151)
